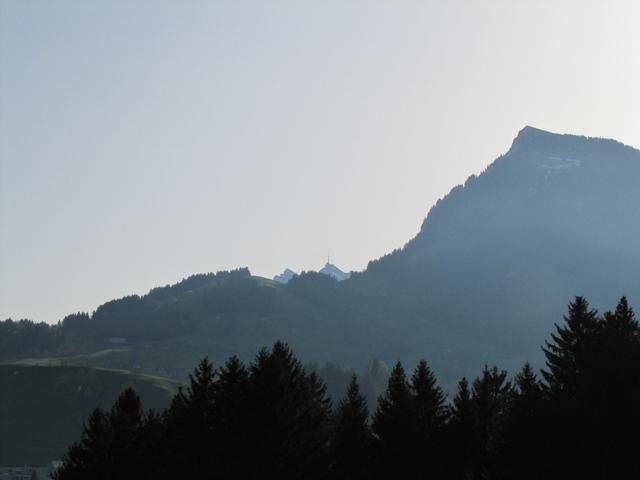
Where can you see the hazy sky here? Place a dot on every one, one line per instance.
(143, 141)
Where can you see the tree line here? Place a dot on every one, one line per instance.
(580, 419)
(160, 314)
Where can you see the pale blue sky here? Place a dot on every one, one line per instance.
(143, 141)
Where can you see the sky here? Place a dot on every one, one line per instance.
(145, 141)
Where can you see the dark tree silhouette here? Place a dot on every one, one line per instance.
(616, 393)
(430, 410)
(189, 424)
(230, 427)
(461, 429)
(526, 434)
(89, 458)
(111, 445)
(288, 412)
(490, 398)
(593, 382)
(570, 352)
(393, 424)
(127, 418)
(351, 436)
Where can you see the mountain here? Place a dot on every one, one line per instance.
(285, 276)
(491, 270)
(42, 408)
(499, 257)
(334, 272)
(329, 269)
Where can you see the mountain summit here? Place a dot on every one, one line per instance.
(498, 258)
(285, 276)
(334, 272)
(329, 269)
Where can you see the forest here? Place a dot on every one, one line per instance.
(578, 418)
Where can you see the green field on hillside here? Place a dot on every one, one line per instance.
(42, 408)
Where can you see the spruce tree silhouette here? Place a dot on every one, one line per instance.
(461, 432)
(351, 436)
(618, 392)
(127, 418)
(572, 373)
(621, 325)
(393, 425)
(429, 404)
(90, 457)
(230, 426)
(569, 354)
(288, 413)
(111, 444)
(490, 399)
(189, 424)
(526, 434)
(151, 452)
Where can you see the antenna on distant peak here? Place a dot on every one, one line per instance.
(329, 256)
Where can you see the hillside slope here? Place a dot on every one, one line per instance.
(42, 408)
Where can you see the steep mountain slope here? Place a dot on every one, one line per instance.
(498, 258)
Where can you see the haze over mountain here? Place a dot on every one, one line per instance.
(329, 269)
(173, 175)
(285, 276)
(492, 268)
(498, 257)
(334, 272)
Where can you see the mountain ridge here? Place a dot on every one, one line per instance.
(538, 203)
(525, 138)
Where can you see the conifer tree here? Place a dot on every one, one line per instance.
(151, 443)
(126, 418)
(430, 415)
(571, 351)
(621, 328)
(617, 392)
(229, 393)
(112, 444)
(577, 362)
(461, 432)
(351, 438)
(189, 424)
(526, 435)
(201, 390)
(490, 399)
(288, 413)
(90, 457)
(429, 400)
(230, 427)
(393, 424)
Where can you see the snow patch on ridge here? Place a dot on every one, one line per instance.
(560, 163)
